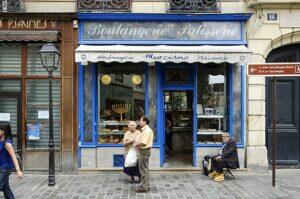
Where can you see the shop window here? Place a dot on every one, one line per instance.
(34, 62)
(37, 106)
(212, 103)
(10, 59)
(119, 102)
(87, 106)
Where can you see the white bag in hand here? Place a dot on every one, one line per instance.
(131, 158)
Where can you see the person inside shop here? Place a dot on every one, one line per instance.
(226, 158)
(169, 133)
(144, 147)
(131, 136)
(8, 160)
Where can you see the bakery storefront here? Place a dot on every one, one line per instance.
(24, 88)
(189, 66)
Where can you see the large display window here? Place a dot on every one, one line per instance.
(212, 106)
(121, 98)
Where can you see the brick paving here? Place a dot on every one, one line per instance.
(166, 185)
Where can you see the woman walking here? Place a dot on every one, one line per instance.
(8, 160)
(131, 136)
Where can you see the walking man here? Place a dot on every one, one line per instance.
(144, 147)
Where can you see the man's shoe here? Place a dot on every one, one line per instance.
(219, 178)
(139, 190)
(213, 174)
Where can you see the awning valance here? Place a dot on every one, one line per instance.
(28, 35)
(161, 53)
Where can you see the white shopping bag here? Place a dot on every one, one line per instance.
(131, 158)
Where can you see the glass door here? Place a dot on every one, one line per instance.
(178, 109)
(10, 111)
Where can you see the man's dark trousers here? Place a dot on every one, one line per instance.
(217, 165)
(4, 184)
(144, 168)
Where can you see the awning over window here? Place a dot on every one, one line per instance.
(162, 53)
(20, 35)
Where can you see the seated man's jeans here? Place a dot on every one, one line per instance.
(4, 183)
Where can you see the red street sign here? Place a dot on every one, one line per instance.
(274, 69)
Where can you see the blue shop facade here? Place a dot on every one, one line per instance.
(192, 67)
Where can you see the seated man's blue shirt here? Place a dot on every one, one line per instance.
(5, 159)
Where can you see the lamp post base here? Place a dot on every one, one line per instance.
(51, 180)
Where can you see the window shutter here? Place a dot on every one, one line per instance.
(10, 59)
(38, 100)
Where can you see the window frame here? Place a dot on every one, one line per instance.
(229, 103)
(95, 106)
(23, 77)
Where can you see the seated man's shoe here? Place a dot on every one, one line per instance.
(139, 190)
(219, 178)
(213, 174)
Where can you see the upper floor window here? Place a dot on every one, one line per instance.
(194, 6)
(104, 5)
(10, 6)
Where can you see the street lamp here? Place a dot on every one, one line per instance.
(50, 59)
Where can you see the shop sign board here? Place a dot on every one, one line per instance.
(27, 24)
(274, 69)
(162, 31)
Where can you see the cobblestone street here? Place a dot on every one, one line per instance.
(114, 185)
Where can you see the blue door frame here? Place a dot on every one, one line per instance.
(161, 87)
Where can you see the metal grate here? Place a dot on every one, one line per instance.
(10, 6)
(118, 160)
(104, 5)
(195, 6)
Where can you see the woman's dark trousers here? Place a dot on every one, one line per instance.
(4, 183)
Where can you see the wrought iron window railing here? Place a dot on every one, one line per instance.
(195, 6)
(10, 6)
(104, 5)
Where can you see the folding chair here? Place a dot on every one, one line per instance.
(228, 172)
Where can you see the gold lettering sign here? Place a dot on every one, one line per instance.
(28, 24)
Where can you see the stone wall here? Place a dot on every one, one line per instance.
(264, 35)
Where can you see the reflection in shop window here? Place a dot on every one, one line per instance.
(212, 103)
(119, 101)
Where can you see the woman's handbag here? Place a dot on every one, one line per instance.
(131, 158)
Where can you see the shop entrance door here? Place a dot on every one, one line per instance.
(10, 111)
(178, 128)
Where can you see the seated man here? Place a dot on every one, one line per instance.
(227, 158)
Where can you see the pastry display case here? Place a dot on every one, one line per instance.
(112, 132)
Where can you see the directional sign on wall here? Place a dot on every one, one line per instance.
(274, 69)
